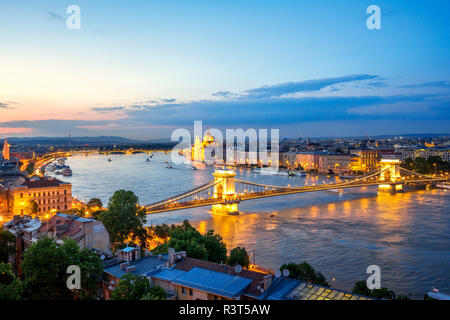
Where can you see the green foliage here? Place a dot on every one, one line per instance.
(382, 293)
(95, 203)
(33, 207)
(161, 231)
(432, 165)
(10, 285)
(45, 270)
(30, 168)
(361, 288)
(124, 218)
(155, 293)
(184, 237)
(303, 271)
(7, 245)
(239, 256)
(131, 287)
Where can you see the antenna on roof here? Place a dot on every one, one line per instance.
(238, 268)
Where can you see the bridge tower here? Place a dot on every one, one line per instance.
(225, 190)
(390, 174)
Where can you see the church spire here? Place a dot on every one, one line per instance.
(5, 152)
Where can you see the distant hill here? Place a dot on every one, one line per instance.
(102, 140)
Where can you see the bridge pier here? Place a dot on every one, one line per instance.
(390, 175)
(225, 190)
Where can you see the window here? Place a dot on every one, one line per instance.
(21, 195)
(191, 292)
(183, 289)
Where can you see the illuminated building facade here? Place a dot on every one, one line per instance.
(444, 153)
(5, 152)
(368, 160)
(50, 194)
(198, 149)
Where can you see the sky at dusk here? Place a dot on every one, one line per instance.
(140, 69)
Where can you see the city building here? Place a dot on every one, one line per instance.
(194, 279)
(443, 152)
(88, 233)
(130, 262)
(290, 289)
(50, 194)
(26, 231)
(309, 161)
(368, 160)
(340, 163)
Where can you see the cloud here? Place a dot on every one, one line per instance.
(271, 107)
(302, 86)
(377, 84)
(108, 109)
(430, 84)
(55, 17)
(224, 94)
(18, 130)
(168, 100)
(292, 110)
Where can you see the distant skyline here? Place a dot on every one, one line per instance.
(141, 69)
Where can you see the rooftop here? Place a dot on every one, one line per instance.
(222, 284)
(41, 183)
(143, 266)
(290, 289)
(256, 277)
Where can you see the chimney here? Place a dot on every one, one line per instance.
(130, 269)
(267, 282)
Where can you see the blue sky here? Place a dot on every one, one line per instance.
(139, 69)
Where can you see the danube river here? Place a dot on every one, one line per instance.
(406, 234)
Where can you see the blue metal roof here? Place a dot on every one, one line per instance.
(167, 274)
(143, 266)
(281, 287)
(219, 283)
(128, 249)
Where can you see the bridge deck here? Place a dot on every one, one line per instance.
(280, 191)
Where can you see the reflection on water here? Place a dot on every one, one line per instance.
(406, 234)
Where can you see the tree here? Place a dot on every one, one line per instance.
(95, 204)
(162, 231)
(381, 293)
(303, 271)
(155, 293)
(33, 207)
(185, 237)
(239, 256)
(215, 247)
(10, 285)
(45, 265)
(7, 245)
(131, 287)
(124, 218)
(30, 168)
